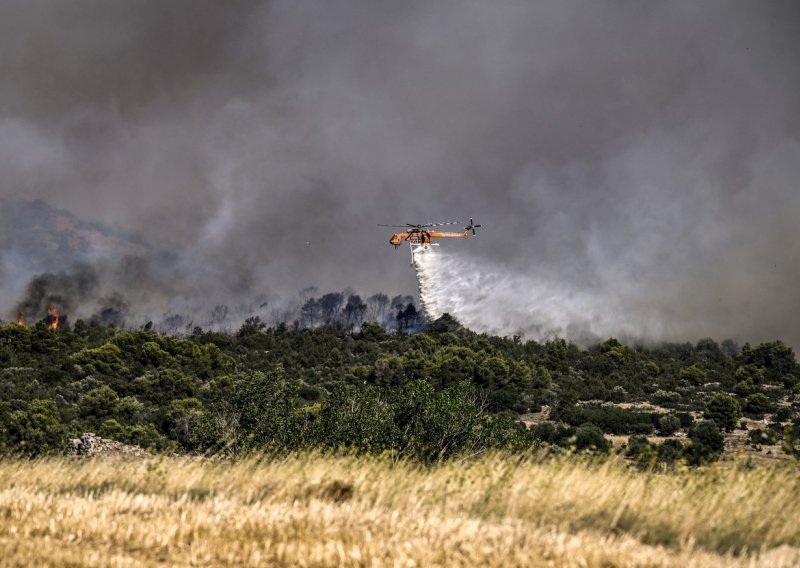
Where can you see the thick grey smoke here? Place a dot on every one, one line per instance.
(643, 155)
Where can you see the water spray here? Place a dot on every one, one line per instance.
(488, 297)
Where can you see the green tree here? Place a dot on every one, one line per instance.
(98, 403)
(694, 375)
(37, 429)
(724, 410)
(758, 404)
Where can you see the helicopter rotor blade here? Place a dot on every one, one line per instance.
(421, 225)
(441, 223)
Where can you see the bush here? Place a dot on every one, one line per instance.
(707, 432)
(758, 404)
(636, 445)
(590, 437)
(669, 424)
(707, 443)
(552, 433)
(666, 397)
(724, 410)
(670, 451)
(757, 437)
(783, 414)
(686, 419)
(609, 418)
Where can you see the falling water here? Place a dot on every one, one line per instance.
(489, 297)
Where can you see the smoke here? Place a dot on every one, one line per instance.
(634, 164)
(66, 291)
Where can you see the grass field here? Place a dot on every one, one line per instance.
(312, 510)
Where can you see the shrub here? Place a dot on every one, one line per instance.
(666, 397)
(724, 410)
(636, 445)
(670, 451)
(757, 436)
(707, 443)
(783, 414)
(590, 437)
(707, 432)
(552, 433)
(758, 404)
(669, 424)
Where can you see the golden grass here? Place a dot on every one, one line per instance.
(312, 510)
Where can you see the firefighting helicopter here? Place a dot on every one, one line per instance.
(419, 238)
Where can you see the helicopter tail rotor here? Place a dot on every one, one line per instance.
(472, 226)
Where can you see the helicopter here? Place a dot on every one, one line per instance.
(419, 237)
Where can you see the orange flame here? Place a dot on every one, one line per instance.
(53, 313)
(21, 319)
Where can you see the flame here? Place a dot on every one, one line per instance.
(21, 319)
(53, 313)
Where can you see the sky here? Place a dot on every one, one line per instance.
(639, 155)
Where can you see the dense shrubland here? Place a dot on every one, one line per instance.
(429, 395)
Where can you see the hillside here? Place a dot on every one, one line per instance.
(428, 396)
(36, 237)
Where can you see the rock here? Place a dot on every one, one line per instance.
(91, 445)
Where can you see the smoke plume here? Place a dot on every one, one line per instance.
(66, 291)
(634, 164)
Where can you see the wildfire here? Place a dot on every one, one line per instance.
(53, 313)
(21, 319)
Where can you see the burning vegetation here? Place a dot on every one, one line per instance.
(52, 315)
(52, 320)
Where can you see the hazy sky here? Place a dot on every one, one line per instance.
(644, 151)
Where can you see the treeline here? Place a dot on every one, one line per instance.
(428, 395)
(345, 309)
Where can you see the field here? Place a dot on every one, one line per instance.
(314, 510)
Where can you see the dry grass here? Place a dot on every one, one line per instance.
(312, 510)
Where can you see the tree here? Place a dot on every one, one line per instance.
(331, 303)
(98, 403)
(310, 312)
(758, 404)
(377, 306)
(360, 418)
(37, 429)
(354, 310)
(614, 349)
(445, 424)
(694, 375)
(724, 410)
(407, 317)
(777, 360)
(218, 316)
